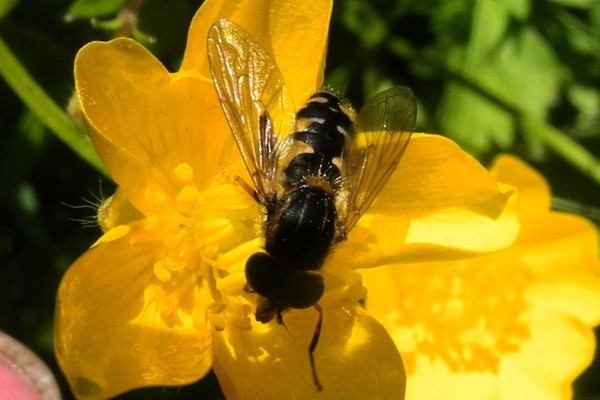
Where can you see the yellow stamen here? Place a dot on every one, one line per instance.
(161, 272)
(187, 199)
(184, 172)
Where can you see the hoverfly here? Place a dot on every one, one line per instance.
(314, 171)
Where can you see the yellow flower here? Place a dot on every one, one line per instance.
(160, 299)
(507, 326)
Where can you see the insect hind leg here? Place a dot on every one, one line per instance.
(313, 346)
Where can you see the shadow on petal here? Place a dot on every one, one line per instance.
(355, 358)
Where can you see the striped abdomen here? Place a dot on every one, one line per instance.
(322, 127)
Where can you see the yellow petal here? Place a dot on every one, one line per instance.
(534, 192)
(435, 174)
(109, 337)
(144, 121)
(546, 365)
(577, 295)
(514, 324)
(293, 32)
(560, 250)
(440, 204)
(558, 244)
(557, 350)
(449, 385)
(541, 365)
(355, 358)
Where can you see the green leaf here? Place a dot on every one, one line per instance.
(49, 113)
(490, 22)
(579, 35)
(27, 198)
(587, 101)
(108, 25)
(362, 19)
(374, 82)
(81, 9)
(470, 118)
(338, 78)
(576, 3)
(6, 6)
(475, 122)
(518, 8)
(573, 152)
(523, 68)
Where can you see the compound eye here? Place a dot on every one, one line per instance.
(266, 276)
(306, 289)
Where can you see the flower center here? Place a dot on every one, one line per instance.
(468, 316)
(199, 227)
(205, 236)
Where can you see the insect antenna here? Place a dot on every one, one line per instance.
(313, 346)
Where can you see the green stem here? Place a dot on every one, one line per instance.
(49, 113)
(557, 141)
(562, 145)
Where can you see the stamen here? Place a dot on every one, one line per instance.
(207, 235)
(154, 197)
(235, 260)
(175, 264)
(237, 316)
(214, 231)
(187, 199)
(184, 172)
(161, 272)
(151, 222)
(232, 284)
(214, 314)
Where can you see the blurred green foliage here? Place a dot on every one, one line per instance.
(517, 76)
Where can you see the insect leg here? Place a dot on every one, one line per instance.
(313, 346)
(249, 189)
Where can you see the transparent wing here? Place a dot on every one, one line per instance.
(254, 98)
(382, 131)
